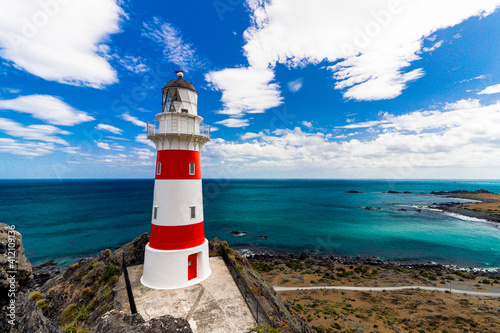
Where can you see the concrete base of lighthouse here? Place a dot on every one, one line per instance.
(174, 269)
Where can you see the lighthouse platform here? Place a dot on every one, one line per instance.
(214, 305)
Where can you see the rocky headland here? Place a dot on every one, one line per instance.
(487, 206)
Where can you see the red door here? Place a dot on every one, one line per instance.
(192, 269)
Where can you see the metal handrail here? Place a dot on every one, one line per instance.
(153, 129)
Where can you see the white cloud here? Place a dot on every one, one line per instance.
(463, 104)
(144, 153)
(15, 147)
(245, 90)
(490, 90)
(295, 85)
(404, 146)
(48, 108)
(375, 40)
(142, 138)
(59, 40)
(249, 135)
(233, 122)
(109, 128)
(134, 120)
(46, 133)
(433, 47)
(307, 124)
(175, 48)
(133, 64)
(103, 145)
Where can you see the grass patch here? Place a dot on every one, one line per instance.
(34, 296)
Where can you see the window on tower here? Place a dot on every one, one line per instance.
(192, 169)
(155, 212)
(193, 211)
(158, 168)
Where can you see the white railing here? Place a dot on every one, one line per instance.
(175, 128)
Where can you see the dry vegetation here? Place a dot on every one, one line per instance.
(490, 207)
(386, 311)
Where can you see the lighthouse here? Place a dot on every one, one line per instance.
(177, 253)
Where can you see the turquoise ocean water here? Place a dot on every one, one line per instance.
(69, 219)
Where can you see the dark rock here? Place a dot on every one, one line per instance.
(29, 318)
(352, 191)
(394, 192)
(418, 210)
(12, 258)
(238, 233)
(263, 237)
(119, 322)
(407, 192)
(134, 252)
(403, 209)
(372, 208)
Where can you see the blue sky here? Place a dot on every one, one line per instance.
(291, 89)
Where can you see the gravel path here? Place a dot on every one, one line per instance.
(455, 291)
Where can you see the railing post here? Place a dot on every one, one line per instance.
(133, 309)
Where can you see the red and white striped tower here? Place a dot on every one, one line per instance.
(177, 253)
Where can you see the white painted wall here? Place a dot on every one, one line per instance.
(169, 269)
(174, 197)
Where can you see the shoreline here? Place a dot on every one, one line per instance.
(481, 196)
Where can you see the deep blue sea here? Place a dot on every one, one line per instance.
(69, 219)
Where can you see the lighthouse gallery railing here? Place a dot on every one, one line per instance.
(153, 128)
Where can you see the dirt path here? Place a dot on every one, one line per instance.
(456, 291)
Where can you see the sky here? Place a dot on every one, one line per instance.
(397, 89)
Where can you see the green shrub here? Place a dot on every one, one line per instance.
(319, 329)
(109, 271)
(93, 305)
(34, 296)
(107, 252)
(262, 267)
(294, 264)
(84, 292)
(42, 305)
(265, 329)
(70, 329)
(69, 314)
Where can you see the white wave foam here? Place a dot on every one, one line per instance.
(470, 218)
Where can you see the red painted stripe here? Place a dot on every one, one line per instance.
(175, 164)
(177, 237)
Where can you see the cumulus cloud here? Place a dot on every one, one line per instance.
(48, 108)
(60, 40)
(45, 133)
(369, 43)
(109, 128)
(103, 145)
(233, 122)
(175, 48)
(245, 90)
(408, 145)
(377, 40)
(307, 124)
(490, 90)
(134, 120)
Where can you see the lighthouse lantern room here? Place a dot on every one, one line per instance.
(177, 253)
